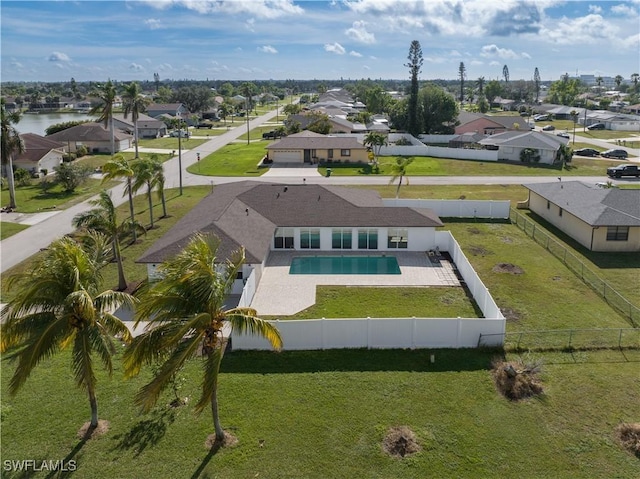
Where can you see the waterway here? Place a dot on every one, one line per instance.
(38, 123)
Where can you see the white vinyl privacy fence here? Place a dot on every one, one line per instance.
(396, 333)
(458, 208)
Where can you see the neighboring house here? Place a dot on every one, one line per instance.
(40, 153)
(174, 109)
(148, 127)
(564, 112)
(612, 120)
(310, 147)
(265, 217)
(94, 136)
(488, 124)
(466, 140)
(511, 143)
(600, 219)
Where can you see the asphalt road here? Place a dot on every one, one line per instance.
(21, 246)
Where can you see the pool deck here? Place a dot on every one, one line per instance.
(281, 293)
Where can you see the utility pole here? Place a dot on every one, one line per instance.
(180, 155)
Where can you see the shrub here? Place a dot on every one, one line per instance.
(67, 157)
(527, 155)
(81, 151)
(71, 175)
(22, 177)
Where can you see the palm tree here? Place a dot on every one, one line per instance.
(106, 93)
(618, 79)
(103, 218)
(634, 80)
(186, 313)
(480, 84)
(399, 171)
(224, 111)
(376, 141)
(159, 181)
(58, 304)
(599, 81)
(116, 168)
(135, 103)
(11, 144)
(147, 173)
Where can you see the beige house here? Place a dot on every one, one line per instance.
(94, 136)
(600, 219)
(310, 147)
(511, 143)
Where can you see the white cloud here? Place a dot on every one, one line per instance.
(495, 63)
(595, 9)
(358, 32)
(632, 42)
(136, 67)
(455, 53)
(153, 23)
(353, 53)
(590, 29)
(59, 57)
(334, 48)
(249, 25)
(493, 50)
(625, 11)
(267, 49)
(257, 8)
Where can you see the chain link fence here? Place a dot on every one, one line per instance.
(566, 339)
(578, 267)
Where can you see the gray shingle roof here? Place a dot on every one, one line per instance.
(310, 140)
(88, 132)
(247, 213)
(593, 205)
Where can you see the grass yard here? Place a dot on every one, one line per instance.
(234, 159)
(323, 414)
(31, 199)
(170, 143)
(354, 302)
(546, 295)
(9, 229)
(428, 166)
(513, 193)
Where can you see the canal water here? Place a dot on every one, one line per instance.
(38, 123)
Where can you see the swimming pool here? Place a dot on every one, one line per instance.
(344, 265)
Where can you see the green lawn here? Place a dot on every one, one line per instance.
(9, 229)
(428, 166)
(172, 143)
(234, 159)
(353, 302)
(324, 414)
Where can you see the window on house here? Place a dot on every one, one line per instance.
(283, 238)
(310, 239)
(548, 205)
(341, 238)
(559, 211)
(368, 239)
(617, 233)
(330, 153)
(239, 275)
(345, 152)
(398, 238)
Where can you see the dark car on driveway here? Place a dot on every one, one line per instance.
(548, 128)
(587, 152)
(621, 154)
(596, 126)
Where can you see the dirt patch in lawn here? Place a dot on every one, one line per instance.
(511, 314)
(507, 268)
(400, 442)
(212, 443)
(87, 432)
(473, 230)
(629, 437)
(516, 380)
(479, 251)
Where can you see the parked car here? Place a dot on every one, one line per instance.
(587, 152)
(623, 170)
(541, 118)
(180, 134)
(621, 154)
(548, 128)
(563, 134)
(596, 126)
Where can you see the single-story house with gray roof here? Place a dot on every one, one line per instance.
(148, 127)
(39, 154)
(94, 136)
(511, 143)
(600, 219)
(270, 217)
(310, 147)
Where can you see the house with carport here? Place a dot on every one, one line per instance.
(510, 145)
(600, 219)
(310, 147)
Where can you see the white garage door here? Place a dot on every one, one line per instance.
(287, 156)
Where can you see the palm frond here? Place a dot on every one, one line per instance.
(245, 321)
(81, 361)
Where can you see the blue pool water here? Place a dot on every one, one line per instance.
(344, 265)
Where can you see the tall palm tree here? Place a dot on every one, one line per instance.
(634, 80)
(11, 144)
(116, 168)
(58, 304)
(186, 313)
(103, 218)
(480, 84)
(399, 171)
(224, 110)
(159, 180)
(107, 94)
(145, 175)
(134, 102)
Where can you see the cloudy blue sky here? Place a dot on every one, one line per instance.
(282, 39)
